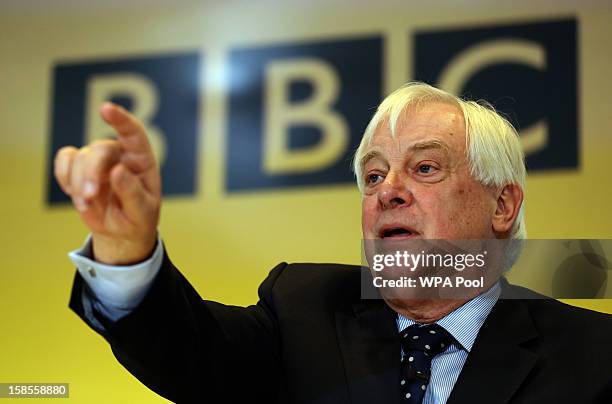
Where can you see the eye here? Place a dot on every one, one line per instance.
(425, 168)
(373, 179)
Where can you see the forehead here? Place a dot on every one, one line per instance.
(436, 123)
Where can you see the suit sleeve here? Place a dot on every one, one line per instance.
(187, 349)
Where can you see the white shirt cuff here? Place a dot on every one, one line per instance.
(117, 287)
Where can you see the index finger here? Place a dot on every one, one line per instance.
(132, 134)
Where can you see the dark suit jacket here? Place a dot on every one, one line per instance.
(311, 339)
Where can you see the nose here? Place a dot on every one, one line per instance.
(394, 192)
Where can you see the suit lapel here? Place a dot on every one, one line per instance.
(497, 364)
(368, 338)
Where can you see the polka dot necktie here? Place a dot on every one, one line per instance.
(420, 344)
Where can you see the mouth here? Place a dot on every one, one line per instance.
(396, 232)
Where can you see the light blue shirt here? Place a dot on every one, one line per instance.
(119, 289)
(463, 324)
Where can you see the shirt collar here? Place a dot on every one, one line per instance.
(464, 322)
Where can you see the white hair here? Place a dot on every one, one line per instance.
(493, 146)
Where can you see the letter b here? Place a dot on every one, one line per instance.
(160, 90)
(317, 111)
(272, 118)
(144, 98)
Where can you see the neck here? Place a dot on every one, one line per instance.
(428, 309)
(425, 310)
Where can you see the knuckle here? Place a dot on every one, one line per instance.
(82, 152)
(79, 160)
(102, 145)
(64, 154)
(65, 151)
(59, 173)
(103, 151)
(62, 161)
(85, 158)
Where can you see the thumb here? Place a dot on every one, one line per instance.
(131, 193)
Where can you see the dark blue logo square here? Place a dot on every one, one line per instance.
(527, 71)
(297, 112)
(163, 91)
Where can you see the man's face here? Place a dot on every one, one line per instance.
(417, 185)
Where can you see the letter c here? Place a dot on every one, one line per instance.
(496, 51)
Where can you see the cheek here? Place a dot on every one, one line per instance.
(457, 212)
(470, 213)
(368, 213)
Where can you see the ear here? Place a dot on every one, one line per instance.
(509, 203)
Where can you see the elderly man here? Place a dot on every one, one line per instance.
(430, 166)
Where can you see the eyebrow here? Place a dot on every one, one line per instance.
(426, 145)
(369, 156)
(429, 144)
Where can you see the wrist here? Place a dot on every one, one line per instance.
(115, 251)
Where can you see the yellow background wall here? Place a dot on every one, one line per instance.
(225, 244)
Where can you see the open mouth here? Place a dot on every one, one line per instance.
(396, 232)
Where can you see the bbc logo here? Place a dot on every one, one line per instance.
(296, 112)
